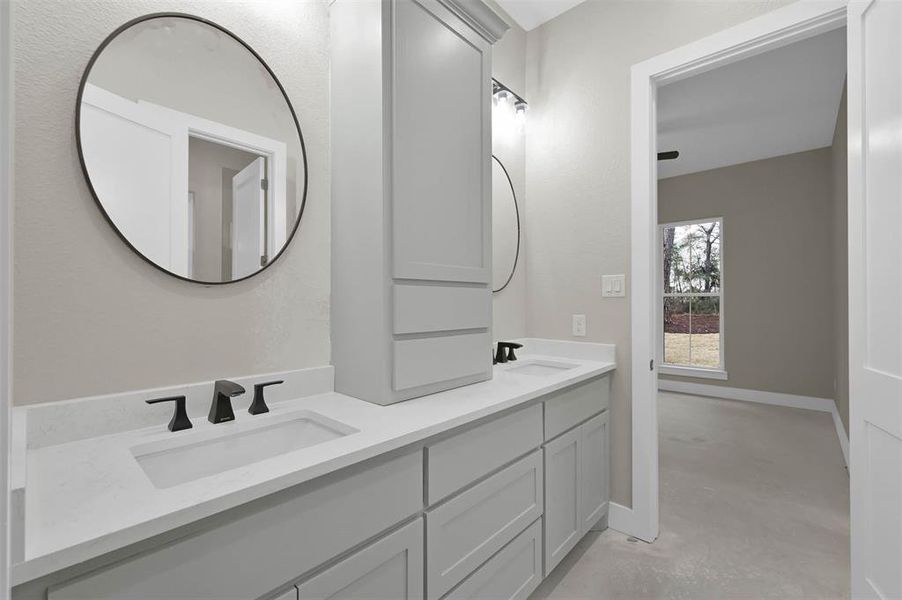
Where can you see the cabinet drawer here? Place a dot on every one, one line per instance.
(251, 550)
(425, 361)
(512, 574)
(468, 529)
(459, 460)
(570, 407)
(425, 308)
(391, 567)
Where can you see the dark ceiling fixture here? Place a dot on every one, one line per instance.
(669, 155)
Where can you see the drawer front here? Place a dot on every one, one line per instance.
(468, 529)
(391, 567)
(425, 361)
(252, 550)
(425, 308)
(512, 574)
(570, 407)
(457, 461)
(563, 525)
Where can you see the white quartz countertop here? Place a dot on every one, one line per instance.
(89, 497)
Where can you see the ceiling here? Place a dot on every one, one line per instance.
(529, 14)
(780, 102)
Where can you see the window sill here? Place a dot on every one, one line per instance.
(692, 372)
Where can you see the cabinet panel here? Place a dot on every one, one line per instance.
(390, 568)
(595, 469)
(465, 457)
(512, 574)
(572, 406)
(563, 525)
(425, 361)
(249, 551)
(426, 308)
(468, 529)
(441, 165)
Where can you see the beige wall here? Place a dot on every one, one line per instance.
(840, 291)
(577, 164)
(778, 267)
(509, 145)
(90, 316)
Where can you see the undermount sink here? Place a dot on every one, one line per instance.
(173, 462)
(541, 368)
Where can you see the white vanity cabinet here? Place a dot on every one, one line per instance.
(411, 195)
(576, 466)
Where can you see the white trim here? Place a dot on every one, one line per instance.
(681, 371)
(773, 398)
(841, 434)
(780, 27)
(6, 283)
(761, 397)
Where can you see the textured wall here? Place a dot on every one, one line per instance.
(840, 289)
(91, 317)
(778, 265)
(509, 145)
(577, 165)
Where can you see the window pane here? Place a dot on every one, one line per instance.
(704, 332)
(676, 260)
(703, 249)
(676, 330)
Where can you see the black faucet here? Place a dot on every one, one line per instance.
(180, 418)
(223, 392)
(258, 406)
(505, 352)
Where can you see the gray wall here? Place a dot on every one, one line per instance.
(778, 265)
(840, 291)
(509, 145)
(577, 165)
(91, 317)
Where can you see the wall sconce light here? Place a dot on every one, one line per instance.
(501, 94)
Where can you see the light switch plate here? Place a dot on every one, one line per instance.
(579, 325)
(613, 286)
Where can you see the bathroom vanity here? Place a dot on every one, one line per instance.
(475, 491)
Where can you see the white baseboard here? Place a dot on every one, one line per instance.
(842, 435)
(773, 398)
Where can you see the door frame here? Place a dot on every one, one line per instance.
(6, 250)
(792, 23)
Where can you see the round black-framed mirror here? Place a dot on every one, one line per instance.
(191, 148)
(505, 227)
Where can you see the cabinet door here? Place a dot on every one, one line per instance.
(441, 163)
(593, 451)
(563, 525)
(390, 568)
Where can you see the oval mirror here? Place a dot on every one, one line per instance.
(505, 227)
(191, 148)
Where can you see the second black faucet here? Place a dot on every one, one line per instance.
(223, 392)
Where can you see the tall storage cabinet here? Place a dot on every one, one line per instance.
(411, 196)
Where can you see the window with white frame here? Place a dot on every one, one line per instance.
(692, 295)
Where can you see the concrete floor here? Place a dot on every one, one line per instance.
(754, 504)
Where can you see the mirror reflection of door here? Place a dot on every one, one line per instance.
(230, 197)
